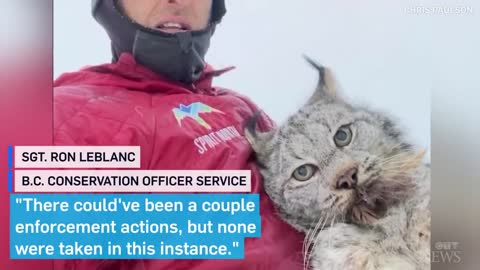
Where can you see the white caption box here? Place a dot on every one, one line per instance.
(141, 181)
(77, 157)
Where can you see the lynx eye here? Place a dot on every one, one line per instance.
(343, 137)
(304, 172)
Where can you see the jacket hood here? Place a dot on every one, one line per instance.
(127, 73)
(178, 56)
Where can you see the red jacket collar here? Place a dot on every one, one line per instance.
(127, 73)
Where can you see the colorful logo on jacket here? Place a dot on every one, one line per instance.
(193, 111)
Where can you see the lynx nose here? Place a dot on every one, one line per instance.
(347, 180)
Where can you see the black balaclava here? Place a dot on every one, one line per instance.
(177, 56)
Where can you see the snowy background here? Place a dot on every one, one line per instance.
(380, 51)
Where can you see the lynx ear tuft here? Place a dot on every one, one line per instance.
(326, 87)
(251, 128)
(260, 141)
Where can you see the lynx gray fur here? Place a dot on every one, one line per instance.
(346, 177)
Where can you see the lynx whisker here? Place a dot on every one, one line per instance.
(308, 240)
(315, 242)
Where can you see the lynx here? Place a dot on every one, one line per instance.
(346, 176)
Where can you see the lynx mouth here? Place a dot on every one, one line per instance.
(372, 200)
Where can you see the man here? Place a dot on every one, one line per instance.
(157, 94)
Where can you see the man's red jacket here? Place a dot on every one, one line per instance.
(126, 104)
